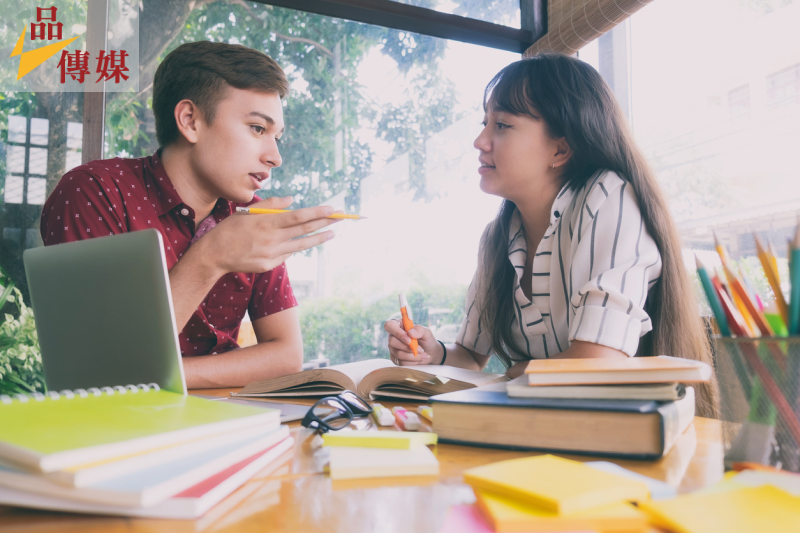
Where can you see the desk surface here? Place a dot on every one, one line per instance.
(299, 497)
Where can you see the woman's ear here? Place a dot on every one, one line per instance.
(187, 116)
(563, 152)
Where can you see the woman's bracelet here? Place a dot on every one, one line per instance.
(445, 352)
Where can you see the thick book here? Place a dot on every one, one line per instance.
(52, 432)
(190, 504)
(615, 428)
(373, 378)
(147, 486)
(663, 392)
(606, 371)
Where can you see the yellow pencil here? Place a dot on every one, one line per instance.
(772, 276)
(261, 211)
(774, 257)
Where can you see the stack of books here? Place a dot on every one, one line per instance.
(132, 451)
(634, 408)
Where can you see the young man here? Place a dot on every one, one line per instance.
(218, 120)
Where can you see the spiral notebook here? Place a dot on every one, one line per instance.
(48, 432)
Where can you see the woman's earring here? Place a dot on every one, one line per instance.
(554, 166)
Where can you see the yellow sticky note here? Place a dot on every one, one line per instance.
(398, 440)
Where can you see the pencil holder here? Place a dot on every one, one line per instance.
(759, 381)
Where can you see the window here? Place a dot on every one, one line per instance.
(739, 102)
(783, 88)
(728, 171)
(40, 139)
(379, 122)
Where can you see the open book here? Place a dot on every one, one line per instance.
(373, 378)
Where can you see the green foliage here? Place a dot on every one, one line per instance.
(346, 330)
(20, 358)
(321, 56)
(123, 126)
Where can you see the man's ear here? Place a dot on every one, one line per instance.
(188, 117)
(563, 152)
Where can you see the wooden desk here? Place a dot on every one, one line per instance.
(299, 497)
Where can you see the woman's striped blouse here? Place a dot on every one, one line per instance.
(591, 274)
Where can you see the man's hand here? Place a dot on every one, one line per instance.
(244, 243)
(258, 243)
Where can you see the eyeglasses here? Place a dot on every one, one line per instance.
(333, 413)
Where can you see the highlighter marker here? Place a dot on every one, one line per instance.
(407, 322)
(407, 420)
(426, 412)
(383, 416)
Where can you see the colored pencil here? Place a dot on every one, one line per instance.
(735, 321)
(771, 271)
(261, 211)
(725, 257)
(713, 299)
(724, 288)
(794, 277)
(737, 285)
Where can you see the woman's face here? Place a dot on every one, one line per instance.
(517, 155)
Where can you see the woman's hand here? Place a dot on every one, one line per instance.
(429, 350)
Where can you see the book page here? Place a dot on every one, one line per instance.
(356, 371)
(461, 374)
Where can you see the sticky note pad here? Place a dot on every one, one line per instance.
(658, 489)
(396, 440)
(555, 484)
(509, 515)
(744, 510)
(353, 463)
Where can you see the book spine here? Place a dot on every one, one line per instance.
(82, 393)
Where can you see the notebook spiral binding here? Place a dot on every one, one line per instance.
(83, 393)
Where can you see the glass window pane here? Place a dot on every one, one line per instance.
(74, 135)
(37, 161)
(379, 122)
(36, 191)
(504, 12)
(39, 131)
(14, 188)
(37, 127)
(17, 128)
(716, 113)
(16, 158)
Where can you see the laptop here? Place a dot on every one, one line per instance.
(104, 315)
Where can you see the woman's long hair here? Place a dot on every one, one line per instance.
(576, 104)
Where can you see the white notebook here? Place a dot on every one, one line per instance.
(352, 463)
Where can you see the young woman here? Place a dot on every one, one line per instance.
(583, 259)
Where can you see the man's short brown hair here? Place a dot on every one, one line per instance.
(201, 72)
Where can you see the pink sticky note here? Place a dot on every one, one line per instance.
(468, 519)
(464, 519)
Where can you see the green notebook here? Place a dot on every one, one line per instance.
(51, 432)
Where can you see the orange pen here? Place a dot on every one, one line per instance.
(407, 322)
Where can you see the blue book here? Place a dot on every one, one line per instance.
(636, 429)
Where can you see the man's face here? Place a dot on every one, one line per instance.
(236, 152)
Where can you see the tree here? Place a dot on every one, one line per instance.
(321, 55)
